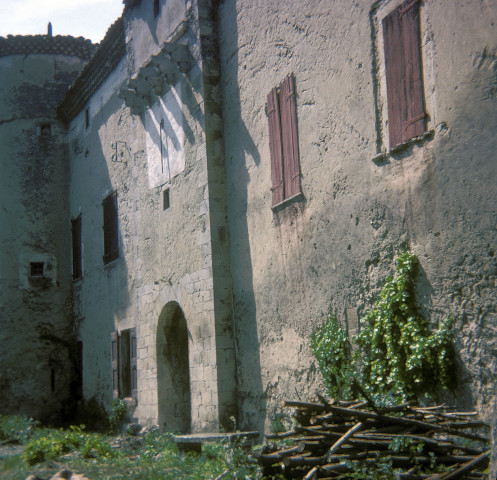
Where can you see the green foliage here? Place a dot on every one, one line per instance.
(396, 350)
(117, 414)
(331, 348)
(16, 428)
(240, 464)
(58, 442)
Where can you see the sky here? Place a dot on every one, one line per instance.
(85, 18)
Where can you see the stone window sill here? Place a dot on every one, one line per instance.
(383, 156)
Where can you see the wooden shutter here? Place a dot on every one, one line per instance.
(275, 148)
(111, 241)
(114, 340)
(414, 123)
(403, 73)
(133, 363)
(289, 137)
(76, 248)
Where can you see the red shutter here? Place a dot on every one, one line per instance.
(114, 339)
(273, 113)
(289, 137)
(414, 123)
(394, 66)
(406, 116)
(133, 363)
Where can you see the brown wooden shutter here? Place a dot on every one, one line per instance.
(403, 67)
(76, 248)
(289, 136)
(394, 66)
(133, 363)
(414, 122)
(114, 340)
(111, 240)
(275, 148)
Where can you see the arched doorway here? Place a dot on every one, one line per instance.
(173, 375)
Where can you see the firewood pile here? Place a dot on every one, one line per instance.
(332, 440)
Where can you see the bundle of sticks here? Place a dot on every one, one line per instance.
(338, 440)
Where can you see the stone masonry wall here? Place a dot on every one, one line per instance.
(37, 351)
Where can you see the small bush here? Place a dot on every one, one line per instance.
(52, 445)
(117, 414)
(16, 428)
(396, 350)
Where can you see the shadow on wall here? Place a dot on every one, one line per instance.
(105, 286)
(173, 377)
(240, 149)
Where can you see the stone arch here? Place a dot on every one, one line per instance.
(173, 370)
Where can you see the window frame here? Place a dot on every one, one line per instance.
(77, 248)
(110, 228)
(124, 355)
(281, 110)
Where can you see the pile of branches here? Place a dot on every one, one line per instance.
(340, 440)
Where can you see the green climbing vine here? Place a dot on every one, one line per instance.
(395, 352)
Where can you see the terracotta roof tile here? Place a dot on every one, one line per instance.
(107, 56)
(45, 44)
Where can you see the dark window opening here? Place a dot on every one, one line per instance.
(124, 365)
(111, 240)
(77, 270)
(87, 118)
(404, 76)
(156, 8)
(37, 269)
(283, 141)
(45, 130)
(165, 199)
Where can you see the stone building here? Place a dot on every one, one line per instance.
(219, 176)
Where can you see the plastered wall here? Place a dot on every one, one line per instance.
(332, 249)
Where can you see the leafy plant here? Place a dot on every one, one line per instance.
(117, 414)
(396, 350)
(58, 442)
(331, 348)
(16, 428)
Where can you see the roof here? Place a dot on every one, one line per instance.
(46, 44)
(106, 58)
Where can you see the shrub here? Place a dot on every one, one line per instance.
(16, 428)
(397, 351)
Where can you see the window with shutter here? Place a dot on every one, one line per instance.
(111, 240)
(403, 65)
(124, 364)
(283, 141)
(114, 341)
(76, 248)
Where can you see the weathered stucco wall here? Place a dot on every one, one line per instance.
(333, 248)
(36, 354)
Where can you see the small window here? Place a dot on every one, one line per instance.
(124, 365)
(165, 199)
(156, 8)
(283, 141)
(111, 240)
(37, 269)
(77, 269)
(87, 118)
(45, 130)
(404, 76)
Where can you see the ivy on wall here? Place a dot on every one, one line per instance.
(395, 352)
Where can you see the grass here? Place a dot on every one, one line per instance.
(151, 457)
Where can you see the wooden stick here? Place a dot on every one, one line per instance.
(344, 438)
(462, 469)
